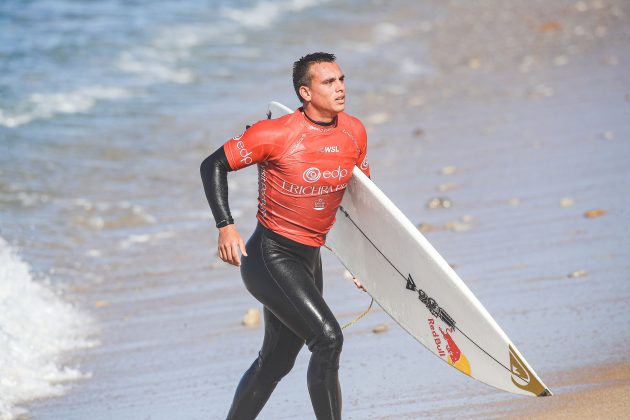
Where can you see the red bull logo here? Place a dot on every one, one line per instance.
(454, 355)
(436, 338)
(453, 351)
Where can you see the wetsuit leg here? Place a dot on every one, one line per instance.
(275, 359)
(286, 277)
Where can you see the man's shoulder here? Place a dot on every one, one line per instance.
(353, 123)
(273, 128)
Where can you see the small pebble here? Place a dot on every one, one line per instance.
(551, 26)
(567, 202)
(439, 202)
(601, 31)
(474, 63)
(597, 4)
(458, 226)
(416, 101)
(446, 187)
(540, 91)
(101, 303)
(514, 201)
(611, 60)
(427, 227)
(608, 135)
(560, 61)
(418, 132)
(380, 328)
(467, 218)
(577, 274)
(581, 6)
(380, 118)
(628, 97)
(252, 317)
(94, 253)
(591, 214)
(448, 170)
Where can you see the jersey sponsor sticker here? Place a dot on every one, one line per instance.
(311, 190)
(314, 174)
(319, 204)
(329, 149)
(243, 152)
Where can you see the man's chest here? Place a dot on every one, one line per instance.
(318, 159)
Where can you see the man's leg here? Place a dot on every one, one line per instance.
(286, 277)
(275, 359)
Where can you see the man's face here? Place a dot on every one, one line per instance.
(326, 96)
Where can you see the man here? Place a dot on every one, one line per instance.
(305, 160)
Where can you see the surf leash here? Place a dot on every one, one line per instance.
(359, 317)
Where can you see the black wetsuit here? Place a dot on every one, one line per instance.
(286, 277)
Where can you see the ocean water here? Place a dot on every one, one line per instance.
(113, 303)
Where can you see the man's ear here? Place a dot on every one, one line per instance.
(305, 93)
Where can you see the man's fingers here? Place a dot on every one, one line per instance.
(236, 260)
(227, 253)
(241, 245)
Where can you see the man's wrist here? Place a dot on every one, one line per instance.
(225, 222)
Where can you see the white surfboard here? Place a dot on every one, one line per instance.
(407, 277)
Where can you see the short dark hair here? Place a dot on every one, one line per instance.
(301, 73)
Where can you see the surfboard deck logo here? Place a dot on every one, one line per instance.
(448, 349)
(523, 378)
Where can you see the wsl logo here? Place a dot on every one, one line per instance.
(329, 149)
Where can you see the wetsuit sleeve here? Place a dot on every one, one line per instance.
(258, 143)
(214, 171)
(362, 161)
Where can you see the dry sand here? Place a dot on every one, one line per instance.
(593, 392)
(604, 394)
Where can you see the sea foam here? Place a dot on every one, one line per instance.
(36, 328)
(40, 106)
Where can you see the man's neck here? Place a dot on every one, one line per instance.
(332, 122)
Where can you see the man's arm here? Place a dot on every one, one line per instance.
(214, 171)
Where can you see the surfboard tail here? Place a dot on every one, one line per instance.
(524, 377)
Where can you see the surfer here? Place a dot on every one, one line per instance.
(304, 160)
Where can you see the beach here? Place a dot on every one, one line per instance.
(113, 301)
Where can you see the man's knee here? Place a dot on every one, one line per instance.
(329, 342)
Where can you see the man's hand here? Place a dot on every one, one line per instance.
(230, 242)
(358, 283)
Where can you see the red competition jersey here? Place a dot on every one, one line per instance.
(303, 170)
